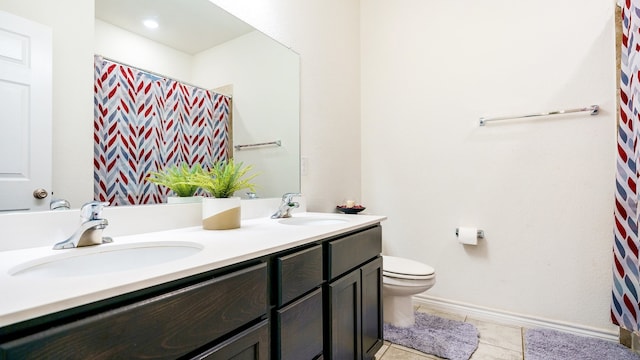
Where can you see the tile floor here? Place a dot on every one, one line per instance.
(497, 342)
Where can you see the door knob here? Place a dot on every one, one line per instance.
(40, 193)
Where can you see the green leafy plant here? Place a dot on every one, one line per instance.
(225, 178)
(177, 178)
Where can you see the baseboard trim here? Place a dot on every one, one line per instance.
(508, 318)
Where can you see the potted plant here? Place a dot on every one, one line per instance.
(178, 179)
(225, 177)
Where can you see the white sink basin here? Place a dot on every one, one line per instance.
(103, 259)
(314, 221)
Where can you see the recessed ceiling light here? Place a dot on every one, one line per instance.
(150, 23)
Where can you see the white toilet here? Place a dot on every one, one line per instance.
(401, 279)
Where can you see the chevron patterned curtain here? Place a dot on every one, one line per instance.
(143, 122)
(625, 310)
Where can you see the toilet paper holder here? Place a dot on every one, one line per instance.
(480, 233)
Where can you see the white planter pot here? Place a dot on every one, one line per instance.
(183, 200)
(221, 214)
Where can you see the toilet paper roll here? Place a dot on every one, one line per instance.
(468, 235)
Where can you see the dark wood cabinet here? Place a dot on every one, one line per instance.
(345, 318)
(251, 344)
(298, 313)
(351, 251)
(298, 273)
(371, 286)
(166, 326)
(354, 299)
(300, 328)
(321, 300)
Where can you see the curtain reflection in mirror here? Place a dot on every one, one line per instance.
(143, 123)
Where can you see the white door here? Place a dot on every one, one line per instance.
(25, 113)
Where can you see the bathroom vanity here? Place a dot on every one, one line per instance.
(310, 289)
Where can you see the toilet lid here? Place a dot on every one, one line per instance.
(405, 268)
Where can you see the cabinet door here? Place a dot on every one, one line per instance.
(371, 308)
(252, 344)
(344, 339)
(300, 328)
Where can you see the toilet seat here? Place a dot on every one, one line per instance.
(400, 268)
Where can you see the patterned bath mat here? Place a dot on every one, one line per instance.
(449, 339)
(545, 344)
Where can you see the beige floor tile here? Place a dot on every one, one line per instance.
(408, 349)
(490, 352)
(442, 314)
(504, 336)
(381, 352)
(396, 352)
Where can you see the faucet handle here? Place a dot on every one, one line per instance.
(92, 210)
(59, 204)
(288, 197)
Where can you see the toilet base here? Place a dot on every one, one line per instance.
(398, 311)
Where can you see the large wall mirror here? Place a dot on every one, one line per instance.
(198, 43)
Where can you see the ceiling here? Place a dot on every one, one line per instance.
(190, 26)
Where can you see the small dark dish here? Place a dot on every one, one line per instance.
(350, 210)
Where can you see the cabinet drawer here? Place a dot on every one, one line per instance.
(298, 273)
(351, 251)
(299, 327)
(251, 344)
(163, 327)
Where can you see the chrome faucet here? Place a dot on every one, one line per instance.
(59, 204)
(286, 206)
(90, 230)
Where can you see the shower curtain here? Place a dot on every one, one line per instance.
(144, 123)
(625, 310)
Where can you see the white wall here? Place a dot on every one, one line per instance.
(541, 190)
(126, 47)
(72, 25)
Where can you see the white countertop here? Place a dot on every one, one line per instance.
(27, 297)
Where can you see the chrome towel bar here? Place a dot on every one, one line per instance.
(593, 109)
(240, 147)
